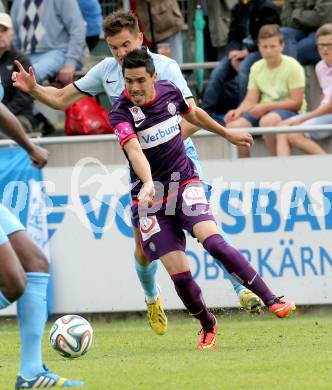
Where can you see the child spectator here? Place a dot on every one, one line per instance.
(275, 90)
(321, 115)
(247, 17)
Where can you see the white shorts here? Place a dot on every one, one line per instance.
(319, 120)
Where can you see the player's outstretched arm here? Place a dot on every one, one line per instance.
(12, 127)
(58, 98)
(187, 128)
(142, 169)
(200, 118)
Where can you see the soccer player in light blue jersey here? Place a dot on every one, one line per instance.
(24, 277)
(122, 35)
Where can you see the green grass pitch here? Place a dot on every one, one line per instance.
(253, 353)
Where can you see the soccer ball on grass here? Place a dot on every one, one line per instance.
(71, 336)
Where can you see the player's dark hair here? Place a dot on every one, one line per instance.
(270, 31)
(139, 58)
(119, 20)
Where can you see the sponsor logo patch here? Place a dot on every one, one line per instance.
(148, 226)
(160, 133)
(194, 195)
(138, 124)
(137, 113)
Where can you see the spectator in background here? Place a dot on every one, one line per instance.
(247, 16)
(218, 20)
(275, 89)
(52, 33)
(162, 23)
(321, 115)
(300, 20)
(18, 102)
(2, 7)
(91, 12)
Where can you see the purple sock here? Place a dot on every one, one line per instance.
(237, 265)
(191, 295)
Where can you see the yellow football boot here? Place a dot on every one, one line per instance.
(157, 317)
(250, 302)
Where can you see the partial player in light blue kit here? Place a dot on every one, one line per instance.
(122, 35)
(24, 277)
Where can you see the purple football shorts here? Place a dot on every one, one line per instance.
(161, 231)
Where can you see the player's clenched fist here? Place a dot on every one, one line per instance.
(38, 156)
(239, 138)
(146, 194)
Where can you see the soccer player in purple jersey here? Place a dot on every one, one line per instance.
(122, 35)
(24, 276)
(166, 191)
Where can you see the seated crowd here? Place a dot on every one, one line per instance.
(275, 94)
(54, 38)
(265, 54)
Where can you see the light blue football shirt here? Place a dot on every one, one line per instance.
(107, 77)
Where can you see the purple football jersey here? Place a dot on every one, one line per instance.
(156, 126)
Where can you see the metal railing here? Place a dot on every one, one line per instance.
(198, 65)
(112, 137)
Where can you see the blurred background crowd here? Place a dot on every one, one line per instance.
(63, 39)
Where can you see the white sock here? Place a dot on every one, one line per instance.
(151, 299)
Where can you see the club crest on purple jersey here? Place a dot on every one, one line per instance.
(171, 108)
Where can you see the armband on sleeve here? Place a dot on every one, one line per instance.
(124, 132)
